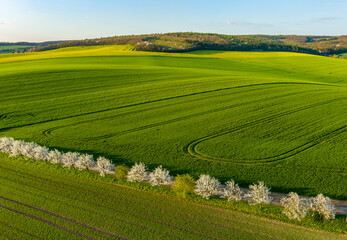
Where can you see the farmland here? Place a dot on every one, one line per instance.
(272, 116)
(12, 48)
(40, 202)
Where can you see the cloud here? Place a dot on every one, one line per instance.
(326, 19)
(4, 22)
(249, 24)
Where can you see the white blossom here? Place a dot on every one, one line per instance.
(294, 207)
(41, 153)
(70, 158)
(137, 173)
(207, 186)
(6, 144)
(103, 166)
(54, 156)
(159, 176)
(29, 149)
(17, 148)
(323, 206)
(232, 191)
(259, 193)
(85, 161)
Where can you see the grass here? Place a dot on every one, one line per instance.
(343, 55)
(12, 48)
(38, 201)
(274, 116)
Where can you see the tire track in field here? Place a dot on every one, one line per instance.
(163, 223)
(79, 207)
(48, 132)
(65, 218)
(47, 222)
(149, 218)
(126, 212)
(290, 153)
(21, 231)
(159, 100)
(191, 147)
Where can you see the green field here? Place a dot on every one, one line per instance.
(272, 116)
(11, 48)
(37, 202)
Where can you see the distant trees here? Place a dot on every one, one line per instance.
(294, 207)
(184, 184)
(259, 193)
(159, 176)
(85, 161)
(70, 158)
(54, 156)
(103, 166)
(206, 186)
(323, 206)
(121, 171)
(232, 191)
(137, 173)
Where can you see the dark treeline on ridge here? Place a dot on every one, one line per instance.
(189, 41)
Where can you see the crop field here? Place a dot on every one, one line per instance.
(11, 48)
(272, 116)
(37, 202)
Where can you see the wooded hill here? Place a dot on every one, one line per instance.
(189, 41)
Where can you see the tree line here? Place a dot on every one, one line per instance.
(206, 186)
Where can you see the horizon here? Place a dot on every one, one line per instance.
(124, 35)
(39, 21)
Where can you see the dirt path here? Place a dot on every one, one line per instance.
(340, 205)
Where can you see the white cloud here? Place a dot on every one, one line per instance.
(325, 19)
(249, 24)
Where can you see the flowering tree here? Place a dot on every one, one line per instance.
(70, 158)
(54, 156)
(159, 176)
(41, 153)
(232, 191)
(85, 161)
(207, 186)
(137, 173)
(17, 148)
(103, 166)
(294, 207)
(29, 149)
(259, 193)
(323, 206)
(6, 144)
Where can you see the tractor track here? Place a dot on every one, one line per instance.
(159, 100)
(191, 147)
(65, 218)
(192, 218)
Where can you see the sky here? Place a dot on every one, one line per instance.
(46, 20)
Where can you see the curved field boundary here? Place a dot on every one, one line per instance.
(191, 147)
(158, 100)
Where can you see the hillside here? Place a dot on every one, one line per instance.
(18, 47)
(188, 41)
(278, 117)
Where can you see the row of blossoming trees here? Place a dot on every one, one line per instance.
(206, 186)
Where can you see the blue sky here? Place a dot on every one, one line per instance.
(42, 20)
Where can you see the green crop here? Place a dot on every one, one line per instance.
(274, 116)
